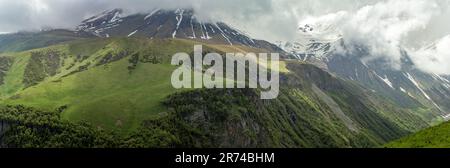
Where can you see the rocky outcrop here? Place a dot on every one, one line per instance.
(4, 127)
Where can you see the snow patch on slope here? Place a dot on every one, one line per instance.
(116, 17)
(403, 90)
(411, 78)
(221, 32)
(179, 18)
(192, 27)
(97, 25)
(132, 33)
(206, 30)
(385, 80)
(151, 14)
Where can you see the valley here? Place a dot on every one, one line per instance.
(109, 80)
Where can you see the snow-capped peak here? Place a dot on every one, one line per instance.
(315, 38)
(168, 23)
(105, 16)
(99, 23)
(312, 41)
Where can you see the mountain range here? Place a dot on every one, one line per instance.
(110, 77)
(406, 85)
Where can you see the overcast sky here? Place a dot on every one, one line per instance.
(269, 19)
(383, 24)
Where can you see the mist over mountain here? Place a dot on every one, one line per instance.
(384, 26)
(350, 75)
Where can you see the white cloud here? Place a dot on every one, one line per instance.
(434, 58)
(382, 27)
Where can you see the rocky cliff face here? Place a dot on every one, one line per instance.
(4, 127)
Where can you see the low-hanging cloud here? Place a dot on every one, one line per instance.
(385, 28)
(35, 14)
(434, 58)
(264, 19)
(382, 25)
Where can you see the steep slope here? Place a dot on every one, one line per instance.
(406, 86)
(314, 109)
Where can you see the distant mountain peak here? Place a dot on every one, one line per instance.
(321, 43)
(99, 23)
(162, 23)
(107, 16)
(314, 40)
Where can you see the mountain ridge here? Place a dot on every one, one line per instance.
(160, 23)
(406, 85)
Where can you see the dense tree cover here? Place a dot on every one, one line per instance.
(238, 118)
(31, 128)
(41, 65)
(111, 57)
(198, 118)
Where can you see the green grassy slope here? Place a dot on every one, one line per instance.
(434, 137)
(112, 83)
(30, 40)
(120, 84)
(107, 96)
